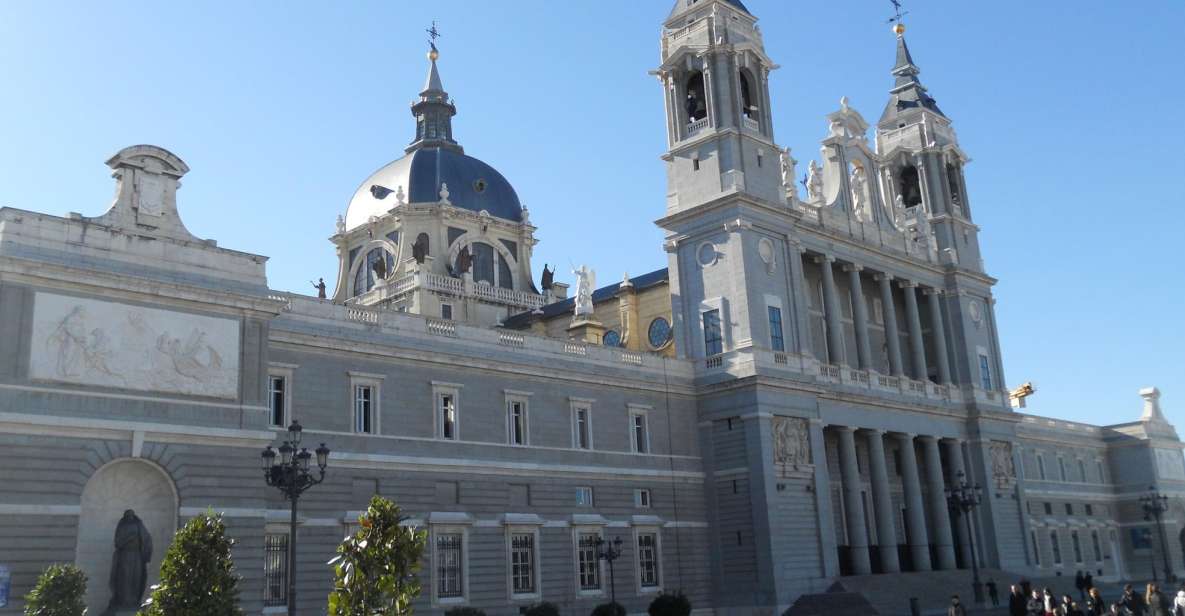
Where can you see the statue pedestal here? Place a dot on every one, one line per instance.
(587, 330)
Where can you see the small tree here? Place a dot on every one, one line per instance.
(375, 568)
(197, 576)
(670, 605)
(59, 592)
(542, 609)
(609, 609)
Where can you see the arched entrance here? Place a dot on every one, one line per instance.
(116, 487)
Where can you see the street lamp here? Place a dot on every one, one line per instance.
(609, 552)
(292, 476)
(1155, 505)
(964, 497)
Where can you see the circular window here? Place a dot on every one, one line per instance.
(479, 185)
(612, 338)
(706, 254)
(659, 333)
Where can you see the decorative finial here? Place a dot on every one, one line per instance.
(843, 103)
(444, 193)
(898, 27)
(433, 34)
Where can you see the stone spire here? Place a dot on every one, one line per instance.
(434, 112)
(908, 95)
(1152, 412)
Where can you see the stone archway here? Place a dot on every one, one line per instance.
(116, 487)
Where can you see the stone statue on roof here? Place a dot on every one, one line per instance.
(586, 280)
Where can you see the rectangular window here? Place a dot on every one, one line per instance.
(588, 566)
(522, 563)
(1041, 468)
(878, 311)
(1036, 548)
(1069, 508)
(695, 164)
(1082, 471)
(1089, 509)
(450, 581)
(1061, 468)
(277, 400)
(639, 439)
(1056, 547)
(776, 341)
(446, 312)
(985, 373)
(581, 429)
(446, 407)
(275, 569)
(516, 422)
(1077, 546)
(648, 571)
(713, 338)
(364, 409)
(642, 498)
(584, 497)
(1098, 548)
(1048, 508)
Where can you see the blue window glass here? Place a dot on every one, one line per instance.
(713, 338)
(985, 372)
(505, 280)
(659, 332)
(483, 262)
(776, 341)
(611, 338)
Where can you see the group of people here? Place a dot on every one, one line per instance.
(1025, 600)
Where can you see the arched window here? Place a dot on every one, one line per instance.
(505, 280)
(483, 262)
(747, 107)
(364, 276)
(910, 186)
(696, 102)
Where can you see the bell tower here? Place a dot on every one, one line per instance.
(715, 77)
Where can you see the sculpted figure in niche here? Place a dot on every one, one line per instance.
(129, 564)
(788, 164)
(859, 184)
(464, 262)
(814, 182)
(791, 441)
(1003, 468)
(419, 250)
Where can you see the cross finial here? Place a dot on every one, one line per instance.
(898, 14)
(433, 34)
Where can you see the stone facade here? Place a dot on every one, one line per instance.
(832, 365)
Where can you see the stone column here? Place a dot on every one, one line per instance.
(915, 516)
(831, 313)
(859, 317)
(853, 504)
(917, 350)
(954, 454)
(940, 518)
(882, 502)
(892, 336)
(936, 324)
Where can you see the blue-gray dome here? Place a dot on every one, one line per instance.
(472, 185)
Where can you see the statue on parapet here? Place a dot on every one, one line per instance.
(548, 278)
(320, 287)
(814, 183)
(586, 280)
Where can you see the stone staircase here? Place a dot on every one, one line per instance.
(832, 604)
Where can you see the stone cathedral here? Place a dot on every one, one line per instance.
(779, 411)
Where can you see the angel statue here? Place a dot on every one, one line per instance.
(814, 183)
(586, 280)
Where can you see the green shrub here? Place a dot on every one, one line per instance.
(609, 609)
(197, 576)
(375, 568)
(465, 611)
(542, 609)
(59, 592)
(670, 605)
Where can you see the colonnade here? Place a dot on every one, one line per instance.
(860, 320)
(929, 539)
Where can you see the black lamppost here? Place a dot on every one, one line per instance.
(609, 552)
(963, 498)
(1155, 505)
(292, 476)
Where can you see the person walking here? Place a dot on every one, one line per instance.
(1088, 582)
(1036, 604)
(1018, 603)
(1158, 604)
(993, 593)
(1080, 583)
(1095, 606)
(1050, 602)
(956, 607)
(1179, 603)
(1131, 603)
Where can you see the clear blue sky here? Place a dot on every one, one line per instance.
(1072, 112)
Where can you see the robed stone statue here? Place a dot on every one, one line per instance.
(129, 564)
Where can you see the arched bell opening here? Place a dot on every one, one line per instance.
(909, 186)
(696, 102)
